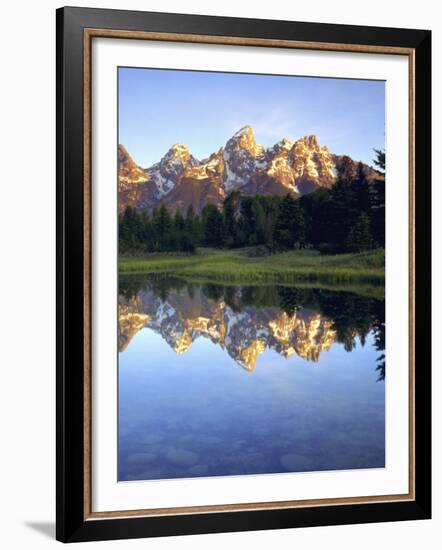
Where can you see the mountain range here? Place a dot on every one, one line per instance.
(179, 180)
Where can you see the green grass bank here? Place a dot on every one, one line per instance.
(241, 266)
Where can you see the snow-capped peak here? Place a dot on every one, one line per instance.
(242, 157)
(283, 144)
(165, 174)
(245, 130)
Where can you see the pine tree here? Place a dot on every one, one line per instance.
(162, 224)
(131, 228)
(148, 233)
(248, 220)
(338, 215)
(260, 221)
(189, 222)
(361, 190)
(377, 202)
(186, 243)
(194, 226)
(380, 159)
(178, 221)
(230, 207)
(290, 225)
(214, 233)
(359, 237)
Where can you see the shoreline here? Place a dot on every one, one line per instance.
(298, 267)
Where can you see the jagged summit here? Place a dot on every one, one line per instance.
(242, 157)
(180, 180)
(129, 171)
(122, 150)
(179, 147)
(245, 139)
(284, 143)
(179, 150)
(245, 130)
(309, 141)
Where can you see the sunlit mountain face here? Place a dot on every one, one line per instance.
(245, 321)
(179, 180)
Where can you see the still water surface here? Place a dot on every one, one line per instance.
(217, 380)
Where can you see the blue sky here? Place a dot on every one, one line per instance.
(202, 110)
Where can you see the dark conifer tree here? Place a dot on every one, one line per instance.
(361, 190)
(315, 208)
(260, 220)
(359, 237)
(230, 209)
(380, 159)
(131, 228)
(248, 220)
(214, 234)
(162, 224)
(189, 222)
(290, 225)
(377, 199)
(339, 214)
(178, 221)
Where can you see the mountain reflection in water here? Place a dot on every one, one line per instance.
(245, 321)
(169, 408)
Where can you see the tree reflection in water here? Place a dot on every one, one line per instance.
(349, 316)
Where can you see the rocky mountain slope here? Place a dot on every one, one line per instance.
(180, 180)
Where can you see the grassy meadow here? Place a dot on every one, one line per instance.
(361, 272)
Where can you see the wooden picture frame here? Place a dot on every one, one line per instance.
(76, 28)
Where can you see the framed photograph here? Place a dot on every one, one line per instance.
(243, 240)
